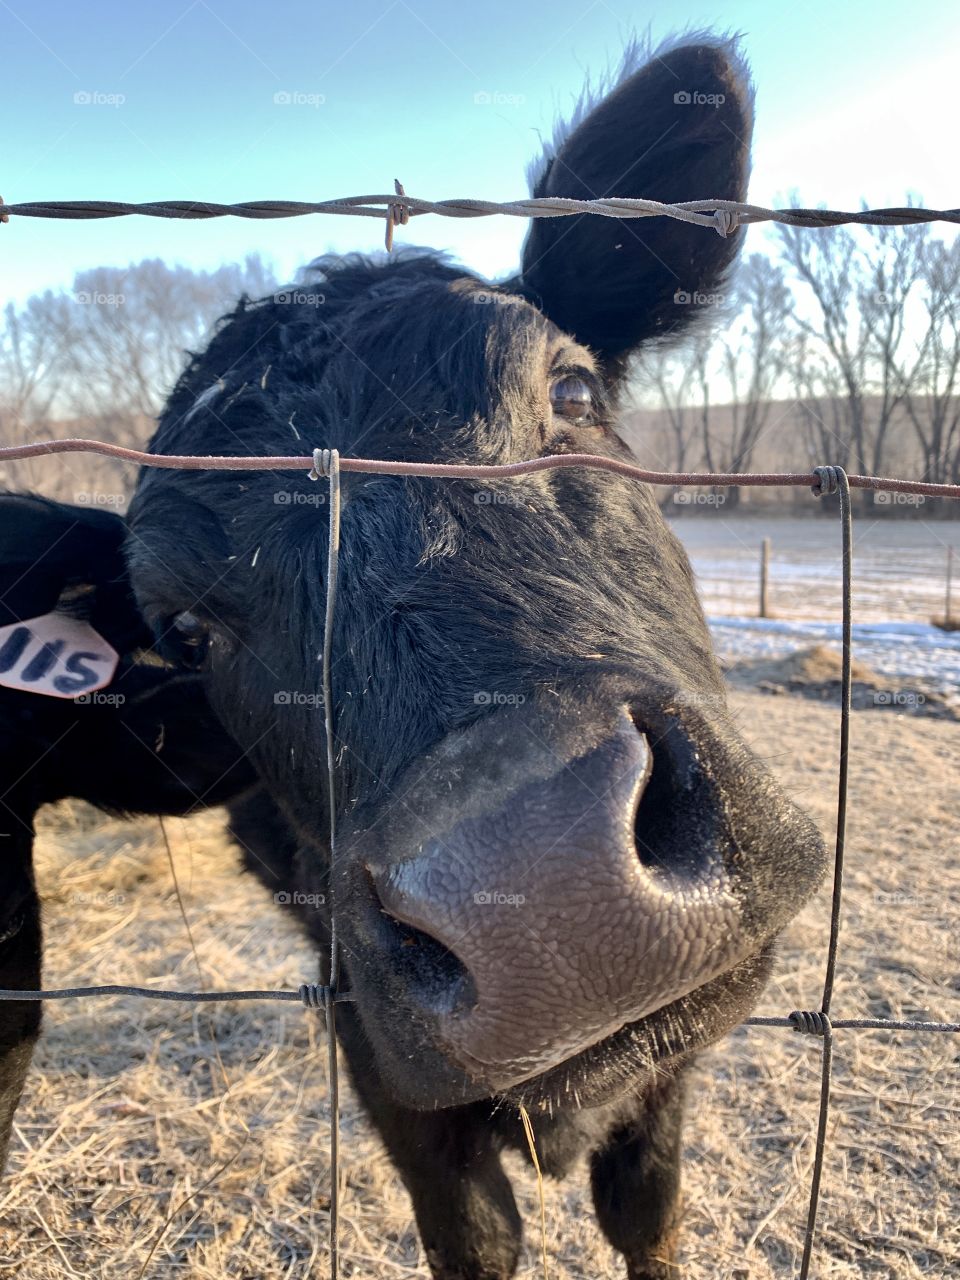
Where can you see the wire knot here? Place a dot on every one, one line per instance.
(398, 215)
(727, 221)
(313, 995)
(324, 460)
(811, 1022)
(827, 481)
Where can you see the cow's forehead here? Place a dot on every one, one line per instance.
(514, 326)
(431, 333)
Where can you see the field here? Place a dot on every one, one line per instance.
(160, 1141)
(899, 565)
(899, 580)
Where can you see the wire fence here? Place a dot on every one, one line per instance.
(326, 463)
(905, 571)
(724, 216)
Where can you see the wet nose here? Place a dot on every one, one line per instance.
(555, 908)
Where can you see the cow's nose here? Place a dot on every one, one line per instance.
(566, 905)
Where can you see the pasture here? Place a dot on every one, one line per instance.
(157, 1141)
(899, 578)
(900, 571)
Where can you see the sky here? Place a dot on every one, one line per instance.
(230, 101)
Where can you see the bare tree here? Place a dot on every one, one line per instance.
(870, 349)
(931, 384)
(818, 396)
(132, 327)
(827, 263)
(892, 266)
(106, 353)
(671, 374)
(755, 358)
(32, 345)
(749, 363)
(861, 283)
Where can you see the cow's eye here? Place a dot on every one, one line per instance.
(572, 398)
(187, 640)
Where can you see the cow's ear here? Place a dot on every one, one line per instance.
(49, 550)
(678, 128)
(143, 739)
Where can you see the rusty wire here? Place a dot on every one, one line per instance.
(470, 471)
(327, 463)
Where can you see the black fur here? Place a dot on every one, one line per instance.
(564, 593)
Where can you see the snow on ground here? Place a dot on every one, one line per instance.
(899, 650)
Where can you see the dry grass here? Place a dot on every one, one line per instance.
(163, 1140)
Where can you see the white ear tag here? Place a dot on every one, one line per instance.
(56, 655)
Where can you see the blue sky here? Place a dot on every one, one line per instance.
(854, 100)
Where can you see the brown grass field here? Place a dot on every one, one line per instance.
(162, 1141)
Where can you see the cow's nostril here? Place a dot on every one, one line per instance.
(666, 820)
(557, 897)
(432, 973)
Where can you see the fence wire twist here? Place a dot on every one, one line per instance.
(327, 463)
(724, 216)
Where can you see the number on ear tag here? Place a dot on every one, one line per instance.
(55, 655)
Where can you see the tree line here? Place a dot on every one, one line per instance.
(108, 350)
(842, 345)
(98, 359)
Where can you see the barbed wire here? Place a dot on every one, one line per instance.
(327, 463)
(397, 208)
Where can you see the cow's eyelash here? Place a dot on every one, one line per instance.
(563, 369)
(596, 417)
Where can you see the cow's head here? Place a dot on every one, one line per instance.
(556, 862)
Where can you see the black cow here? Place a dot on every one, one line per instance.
(559, 871)
(147, 744)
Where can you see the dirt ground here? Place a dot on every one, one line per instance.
(161, 1140)
(816, 672)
